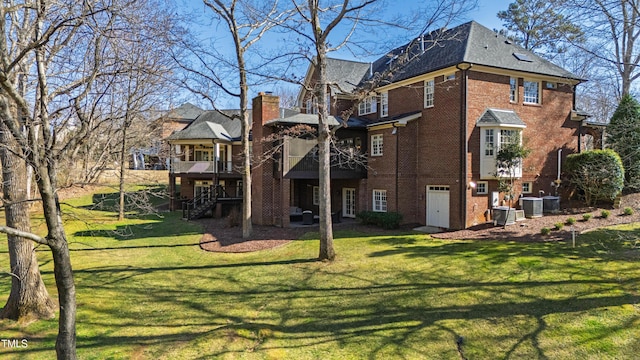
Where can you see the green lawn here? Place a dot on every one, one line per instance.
(146, 291)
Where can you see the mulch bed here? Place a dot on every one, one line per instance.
(219, 237)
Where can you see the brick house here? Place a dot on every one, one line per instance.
(156, 156)
(430, 131)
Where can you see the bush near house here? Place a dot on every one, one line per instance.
(385, 220)
(628, 211)
(598, 174)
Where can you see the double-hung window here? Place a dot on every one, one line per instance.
(380, 200)
(513, 89)
(312, 107)
(316, 195)
(367, 105)
(531, 92)
(429, 87)
(376, 145)
(384, 104)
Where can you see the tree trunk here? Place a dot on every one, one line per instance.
(123, 160)
(324, 146)
(28, 299)
(66, 340)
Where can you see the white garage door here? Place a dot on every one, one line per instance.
(438, 206)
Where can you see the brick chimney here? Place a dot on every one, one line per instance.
(265, 107)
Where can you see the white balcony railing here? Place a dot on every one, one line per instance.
(198, 167)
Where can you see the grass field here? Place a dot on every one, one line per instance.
(146, 291)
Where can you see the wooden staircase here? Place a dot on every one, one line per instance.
(200, 205)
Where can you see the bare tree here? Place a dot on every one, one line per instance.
(28, 299)
(611, 29)
(330, 26)
(69, 43)
(247, 22)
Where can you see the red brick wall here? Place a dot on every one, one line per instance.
(263, 187)
(548, 129)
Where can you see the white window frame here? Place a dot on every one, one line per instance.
(377, 145)
(429, 90)
(488, 149)
(529, 187)
(379, 203)
(513, 89)
(312, 107)
(384, 104)
(482, 187)
(367, 105)
(529, 97)
(316, 195)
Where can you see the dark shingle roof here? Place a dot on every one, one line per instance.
(211, 124)
(346, 74)
(186, 111)
(467, 43)
(497, 117)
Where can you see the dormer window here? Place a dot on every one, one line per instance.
(367, 106)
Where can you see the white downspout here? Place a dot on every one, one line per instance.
(559, 163)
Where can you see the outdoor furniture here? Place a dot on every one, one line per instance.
(307, 217)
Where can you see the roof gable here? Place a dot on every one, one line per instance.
(498, 117)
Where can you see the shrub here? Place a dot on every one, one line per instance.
(605, 214)
(545, 231)
(586, 217)
(559, 225)
(570, 221)
(628, 211)
(385, 220)
(599, 174)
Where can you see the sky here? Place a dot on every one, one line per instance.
(485, 14)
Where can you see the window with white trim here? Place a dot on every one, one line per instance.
(380, 200)
(489, 143)
(482, 187)
(384, 104)
(429, 87)
(312, 108)
(531, 92)
(513, 89)
(492, 139)
(367, 106)
(527, 187)
(316, 195)
(328, 103)
(376, 145)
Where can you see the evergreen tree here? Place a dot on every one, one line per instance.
(539, 26)
(623, 136)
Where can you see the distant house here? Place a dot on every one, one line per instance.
(429, 132)
(156, 156)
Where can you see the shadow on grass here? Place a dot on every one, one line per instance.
(600, 245)
(166, 228)
(142, 199)
(392, 316)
